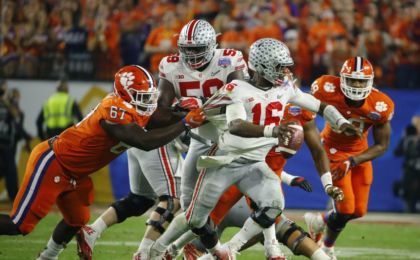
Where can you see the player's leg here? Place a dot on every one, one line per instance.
(159, 167)
(362, 177)
(43, 183)
(270, 202)
(74, 206)
(189, 171)
(138, 201)
(337, 218)
(179, 225)
(210, 186)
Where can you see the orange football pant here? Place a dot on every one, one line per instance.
(233, 194)
(44, 184)
(356, 186)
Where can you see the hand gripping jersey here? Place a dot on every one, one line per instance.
(194, 83)
(86, 147)
(261, 108)
(378, 108)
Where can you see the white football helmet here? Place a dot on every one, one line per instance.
(196, 43)
(269, 57)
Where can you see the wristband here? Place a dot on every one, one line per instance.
(326, 180)
(268, 131)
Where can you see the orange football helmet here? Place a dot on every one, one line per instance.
(356, 78)
(136, 86)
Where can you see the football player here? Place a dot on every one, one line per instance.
(253, 128)
(287, 231)
(58, 169)
(198, 71)
(366, 108)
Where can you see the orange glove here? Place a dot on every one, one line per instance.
(194, 118)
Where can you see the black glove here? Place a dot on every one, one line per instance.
(301, 183)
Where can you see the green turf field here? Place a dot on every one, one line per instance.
(358, 241)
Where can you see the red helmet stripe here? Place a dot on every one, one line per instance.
(191, 28)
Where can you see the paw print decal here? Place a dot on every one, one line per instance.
(126, 79)
(381, 106)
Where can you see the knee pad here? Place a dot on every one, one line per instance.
(286, 230)
(166, 215)
(265, 217)
(207, 233)
(132, 205)
(337, 221)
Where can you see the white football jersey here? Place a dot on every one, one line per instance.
(194, 83)
(260, 107)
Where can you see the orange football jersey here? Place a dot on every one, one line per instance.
(86, 147)
(291, 113)
(378, 108)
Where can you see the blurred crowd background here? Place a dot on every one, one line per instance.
(91, 39)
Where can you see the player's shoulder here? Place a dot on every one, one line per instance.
(377, 95)
(112, 100)
(381, 104)
(326, 86)
(230, 58)
(169, 64)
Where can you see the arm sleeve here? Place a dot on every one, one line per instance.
(306, 101)
(235, 111)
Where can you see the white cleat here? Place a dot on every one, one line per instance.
(141, 255)
(330, 252)
(86, 238)
(316, 226)
(273, 251)
(225, 253)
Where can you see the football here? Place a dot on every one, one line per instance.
(290, 146)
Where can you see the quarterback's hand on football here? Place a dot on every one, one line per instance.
(342, 169)
(350, 130)
(301, 183)
(334, 192)
(283, 133)
(194, 118)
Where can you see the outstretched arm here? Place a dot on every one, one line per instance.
(134, 135)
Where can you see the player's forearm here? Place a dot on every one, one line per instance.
(370, 154)
(158, 137)
(243, 128)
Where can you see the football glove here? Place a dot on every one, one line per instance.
(194, 118)
(301, 183)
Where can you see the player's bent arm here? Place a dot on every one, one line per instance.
(313, 140)
(237, 124)
(237, 74)
(162, 117)
(133, 135)
(381, 138)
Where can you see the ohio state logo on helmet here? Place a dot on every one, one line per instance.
(356, 78)
(137, 87)
(196, 43)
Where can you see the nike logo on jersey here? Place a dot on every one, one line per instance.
(214, 73)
